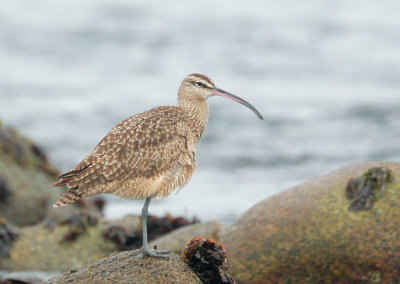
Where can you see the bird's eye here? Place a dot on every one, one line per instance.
(199, 84)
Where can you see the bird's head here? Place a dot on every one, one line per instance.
(200, 87)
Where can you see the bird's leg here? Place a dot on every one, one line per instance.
(144, 251)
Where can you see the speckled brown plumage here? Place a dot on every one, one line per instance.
(149, 154)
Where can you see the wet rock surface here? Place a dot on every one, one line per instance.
(125, 267)
(177, 239)
(313, 234)
(207, 259)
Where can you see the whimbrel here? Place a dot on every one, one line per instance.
(147, 155)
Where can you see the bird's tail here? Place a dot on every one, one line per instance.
(68, 197)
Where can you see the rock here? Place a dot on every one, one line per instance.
(78, 239)
(341, 227)
(57, 246)
(124, 267)
(177, 239)
(25, 176)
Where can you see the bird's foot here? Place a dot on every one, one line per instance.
(153, 253)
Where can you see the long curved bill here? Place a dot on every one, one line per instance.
(222, 93)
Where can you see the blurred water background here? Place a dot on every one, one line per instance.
(325, 75)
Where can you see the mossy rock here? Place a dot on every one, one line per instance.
(125, 267)
(343, 227)
(60, 246)
(25, 176)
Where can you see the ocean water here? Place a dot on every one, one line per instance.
(325, 75)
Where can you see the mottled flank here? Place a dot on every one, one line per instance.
(308, 234)
(125, 267)
(208, 260)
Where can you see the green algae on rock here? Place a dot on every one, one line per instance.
(313, 234)
(125, 267)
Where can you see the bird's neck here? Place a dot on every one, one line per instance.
(197, 114)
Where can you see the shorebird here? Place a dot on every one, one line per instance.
(147, 155)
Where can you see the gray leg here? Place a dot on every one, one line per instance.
(145, 249)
